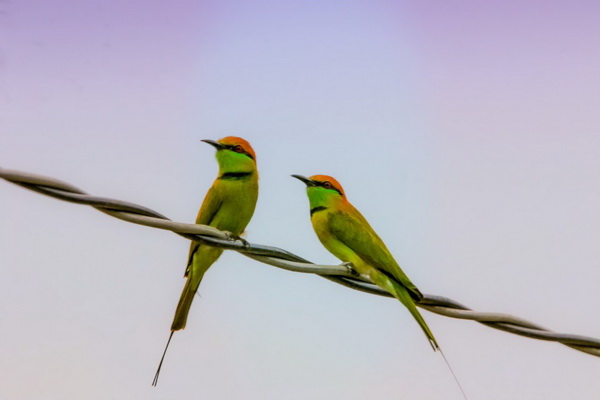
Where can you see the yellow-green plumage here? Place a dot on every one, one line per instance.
(347, 235)
(343, 231)
(228, 206)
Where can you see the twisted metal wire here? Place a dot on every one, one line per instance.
(342, 274)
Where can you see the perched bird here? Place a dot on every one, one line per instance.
(228, 206)
(347, 235)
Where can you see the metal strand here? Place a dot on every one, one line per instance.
(341, 274)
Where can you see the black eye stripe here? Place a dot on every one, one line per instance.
(231, 147)
(322, 184)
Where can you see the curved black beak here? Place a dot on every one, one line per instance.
(304, 179)
(216, 145)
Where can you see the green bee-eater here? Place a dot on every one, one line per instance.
(347, 235)
(228, 206)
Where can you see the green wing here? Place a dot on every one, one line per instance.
(353, 230)
(210, 206)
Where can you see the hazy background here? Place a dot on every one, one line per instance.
(467, 132)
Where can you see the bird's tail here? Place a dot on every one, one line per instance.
(201, 260)
(401, 293)
(185, 301)
(183, 308)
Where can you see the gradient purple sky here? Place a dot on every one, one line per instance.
(467, 133)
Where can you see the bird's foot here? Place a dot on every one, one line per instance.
(235, 238)
(350, 268)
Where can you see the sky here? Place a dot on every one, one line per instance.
(466, 132)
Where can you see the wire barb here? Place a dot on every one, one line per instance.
(341, 274)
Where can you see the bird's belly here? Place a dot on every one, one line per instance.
(234, 215)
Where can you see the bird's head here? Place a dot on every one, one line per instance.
(234, 154)
(322, 190)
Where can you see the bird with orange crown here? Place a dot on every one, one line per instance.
(228, 206)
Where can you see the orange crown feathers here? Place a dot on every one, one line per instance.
(238, 141)
(326, 178)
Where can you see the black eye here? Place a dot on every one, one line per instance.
(238, 149)
(327, 185)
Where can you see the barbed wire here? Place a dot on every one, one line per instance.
(342, 274)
